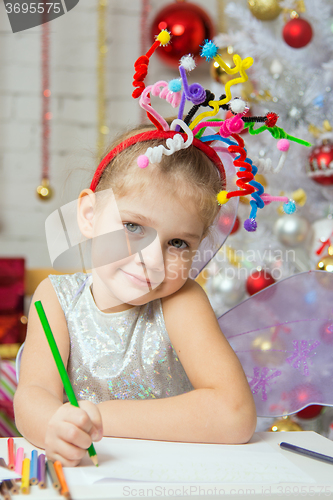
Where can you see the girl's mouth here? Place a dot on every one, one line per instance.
(140, 281)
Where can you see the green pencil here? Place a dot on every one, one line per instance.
(61, 368)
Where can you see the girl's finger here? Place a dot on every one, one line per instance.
(65, 461)
(94, 414)
(71, 434)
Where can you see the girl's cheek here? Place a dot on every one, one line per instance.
(177, 268)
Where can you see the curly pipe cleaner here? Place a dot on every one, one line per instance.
(176, 143)
(172, 97)
(256, 200)
(141, 70)
(233, 125)
(145, 104)
(260, 199)
(228, 127)
(209, 97)
(276, 132)
(245, 175)
(209, 51)
(194, 93)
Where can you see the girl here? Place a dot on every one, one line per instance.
(140, 340)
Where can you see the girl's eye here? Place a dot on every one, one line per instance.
(133, 228)
(178, 243)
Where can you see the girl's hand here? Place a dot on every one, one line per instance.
(71, 431)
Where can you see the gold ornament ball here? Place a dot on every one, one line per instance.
(218, 73)
(285, 424)
(326, 263)
(44, 191)
(266, 351)
(262, 179)
(265, 10)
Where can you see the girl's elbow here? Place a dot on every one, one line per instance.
(243, 422)
(246, 429)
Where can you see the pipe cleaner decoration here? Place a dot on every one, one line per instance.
(177, 92)
(200, 130)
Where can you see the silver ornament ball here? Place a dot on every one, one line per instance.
(292, 230)
(229, 290)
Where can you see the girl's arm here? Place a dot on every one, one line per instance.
(220, 409)
(40, 415)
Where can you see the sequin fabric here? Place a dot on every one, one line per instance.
(124, 355)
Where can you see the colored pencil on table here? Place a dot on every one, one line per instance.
(53, 475)
(305, 452)
(41, 471)
(11, 455)
(10, 483)
(25, 481)
(33, 467)
(61, 368)
(60, 473)
(5, 494)
(19, 460)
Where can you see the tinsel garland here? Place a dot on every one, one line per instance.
(102, 128)
(144, 40)
(44, 191)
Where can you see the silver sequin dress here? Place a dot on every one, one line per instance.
(124, 355)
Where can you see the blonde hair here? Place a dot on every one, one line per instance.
(189, 174)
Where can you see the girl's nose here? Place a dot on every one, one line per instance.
(152, 257)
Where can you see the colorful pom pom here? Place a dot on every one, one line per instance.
(271, 119)
(175, 85)
(222, 197)
(237, 106)
(283, 145)
(163, 37)
(188, 62)
(209, 50)
(143, 161)
(250, 225)
(289, 207)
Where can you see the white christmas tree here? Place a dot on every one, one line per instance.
(296, 84)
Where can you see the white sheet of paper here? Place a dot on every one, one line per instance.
(155, 461)
(8, 474)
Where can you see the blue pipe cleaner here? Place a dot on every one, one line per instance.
(256, 201)
(208, 138)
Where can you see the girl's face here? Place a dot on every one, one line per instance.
(167, 234)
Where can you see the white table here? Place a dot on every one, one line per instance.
(320, 472)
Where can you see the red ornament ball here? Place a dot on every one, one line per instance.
(297, 33)
(311, 411)
(326, 332)
(189, 26)
(236, 225)
(259, 280)
(320, 167)
(302, 396)
(227, 224)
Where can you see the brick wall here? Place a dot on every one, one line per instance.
(73, 48)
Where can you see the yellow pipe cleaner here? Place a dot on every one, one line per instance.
(240, 66)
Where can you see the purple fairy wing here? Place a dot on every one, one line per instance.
(225, 221)
(283, 337)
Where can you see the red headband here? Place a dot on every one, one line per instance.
(156, 134)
